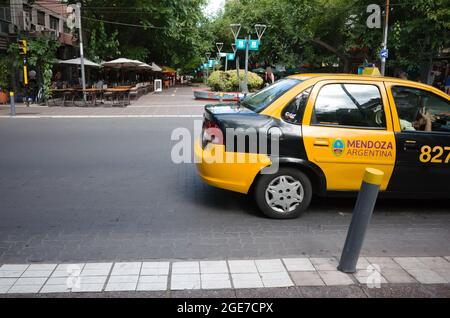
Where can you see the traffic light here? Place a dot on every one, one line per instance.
(22, 47)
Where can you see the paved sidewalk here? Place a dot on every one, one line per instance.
(235, 277)
(174, 102)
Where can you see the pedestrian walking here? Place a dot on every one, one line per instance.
(269, 77)
(447, 85)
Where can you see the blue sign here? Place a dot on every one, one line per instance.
(384, 54)
(211, 63)
(230, 56)
(205, 65)
(240, 44)
(253, 45)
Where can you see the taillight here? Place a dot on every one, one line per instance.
(211, 133)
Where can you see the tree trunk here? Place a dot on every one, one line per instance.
(347, 65)
(343, 57)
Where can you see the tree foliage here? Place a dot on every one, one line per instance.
(325, 32)
(41, 57)
(169, 32)
(102, 46)
(4, 73)
(316, 33)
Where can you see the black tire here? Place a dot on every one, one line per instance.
(265, 180)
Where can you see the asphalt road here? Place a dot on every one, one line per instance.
(89, 189)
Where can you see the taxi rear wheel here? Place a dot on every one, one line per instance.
(284, 195)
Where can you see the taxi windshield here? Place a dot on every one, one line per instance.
(261, 100)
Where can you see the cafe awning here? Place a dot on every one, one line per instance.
(168, 70)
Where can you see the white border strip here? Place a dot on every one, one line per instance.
(219, 274)
(100, 116)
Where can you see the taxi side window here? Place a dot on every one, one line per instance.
(420, 110)
(353, 105)
(293, 112)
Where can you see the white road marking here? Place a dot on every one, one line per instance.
(98, 116)
(167, 106)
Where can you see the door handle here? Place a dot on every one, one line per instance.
(410, 145)
(321, 142)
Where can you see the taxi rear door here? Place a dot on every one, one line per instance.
(423, 157)
(347, 127)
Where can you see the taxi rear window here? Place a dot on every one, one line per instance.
(261, 100)
(415, 105)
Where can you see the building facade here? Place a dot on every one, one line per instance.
(42, 17)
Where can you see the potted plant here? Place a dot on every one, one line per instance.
(4, 80)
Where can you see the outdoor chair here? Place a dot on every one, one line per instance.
(134, 93)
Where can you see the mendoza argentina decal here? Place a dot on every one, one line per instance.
(338, 147)
(363, 148)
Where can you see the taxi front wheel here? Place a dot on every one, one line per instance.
(283, 195)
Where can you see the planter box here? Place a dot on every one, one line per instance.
(210, 95)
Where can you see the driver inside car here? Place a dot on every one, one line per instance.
(424, 122)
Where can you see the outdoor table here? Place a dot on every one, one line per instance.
(122, 92)
(91, 95)
(64, 92)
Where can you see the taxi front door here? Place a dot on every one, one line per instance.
(347, 127)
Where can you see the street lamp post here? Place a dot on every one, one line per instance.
(218, 57)
(235, 28)
(208, 55)
(80, 35)
(385, 39)
(233, 46)
(260, 29)
(247, 44)
(219, 46)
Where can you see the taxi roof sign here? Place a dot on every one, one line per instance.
(371, 71)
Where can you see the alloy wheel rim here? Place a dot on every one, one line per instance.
(284, 194)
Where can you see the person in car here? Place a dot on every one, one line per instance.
(424, 122)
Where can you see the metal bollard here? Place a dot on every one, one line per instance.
(362, 214)
(12, 103)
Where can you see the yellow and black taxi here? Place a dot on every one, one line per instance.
(329, 128)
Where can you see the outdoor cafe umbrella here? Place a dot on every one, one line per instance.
(145, 66)
(77, 61)
(156, 68)
(122, 63)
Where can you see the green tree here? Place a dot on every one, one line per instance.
(169, 32)
(41, 57)
(102, 46)
(326, 32)
(4, 73)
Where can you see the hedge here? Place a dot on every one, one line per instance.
(227, 81)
